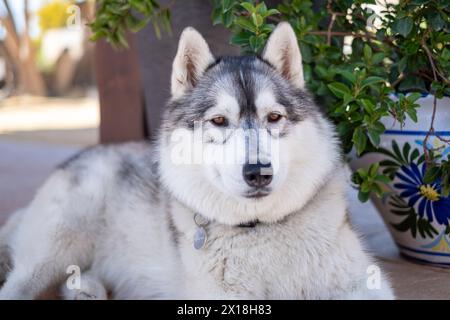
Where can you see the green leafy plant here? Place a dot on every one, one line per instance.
(115, 17)
(369, 181)
(354, 60)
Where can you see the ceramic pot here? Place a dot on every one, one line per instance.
(417, 214)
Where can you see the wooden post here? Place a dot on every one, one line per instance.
(120, 90)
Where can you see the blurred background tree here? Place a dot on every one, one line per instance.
(20, 52)
(45, 45)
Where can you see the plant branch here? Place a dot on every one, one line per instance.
(424, 75)
(330, 27)
(398, 80)
(433, 115)
(366, 35)
(332, 20)
(442, 139)
(330, 9)
(435, 70)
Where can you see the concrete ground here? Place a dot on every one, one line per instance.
(28, 155)
(410, 280)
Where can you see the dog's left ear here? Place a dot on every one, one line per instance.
(283, 53)
(193, 57)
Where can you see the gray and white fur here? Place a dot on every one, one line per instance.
(124, 214)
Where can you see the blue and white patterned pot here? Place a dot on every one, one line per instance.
(417, 214)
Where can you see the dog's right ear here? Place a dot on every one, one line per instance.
(193, 57)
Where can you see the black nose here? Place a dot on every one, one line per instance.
(257, 175)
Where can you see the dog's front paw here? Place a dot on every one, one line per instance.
(91, 289)
(81, 295)
(85, 295)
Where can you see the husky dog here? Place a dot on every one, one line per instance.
(140, 225)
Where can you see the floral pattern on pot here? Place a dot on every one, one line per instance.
(422, 207)
(428, 196)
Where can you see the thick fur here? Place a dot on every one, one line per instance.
(125, 213)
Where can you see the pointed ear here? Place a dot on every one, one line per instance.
(283, 53)
(193, 57)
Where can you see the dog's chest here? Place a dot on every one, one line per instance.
(257, 263)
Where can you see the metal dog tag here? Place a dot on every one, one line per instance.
(200, 238)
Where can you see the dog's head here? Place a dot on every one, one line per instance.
(241, 140)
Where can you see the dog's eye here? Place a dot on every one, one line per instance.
(274, 117)
(219, 121)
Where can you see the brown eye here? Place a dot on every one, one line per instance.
(273, 117)
(219, 121)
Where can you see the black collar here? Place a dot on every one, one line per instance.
(250, 224)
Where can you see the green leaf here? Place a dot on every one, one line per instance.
(216, 16)
(378, 57)
(248, 6)
(339, 89)
(374, 137)
(321, 71)
(370, 81)
(272, 12)
(261, 8)
(240, 39)
(445, 54)
(362, 173)
(350, 76)
(139, 6)
(227, 5)
(227, 19)
(435, 20)
(367, 52)
(377, 189)
(412, 113)
(403, 26)
(256, 43)
(156, 28)
(360, 140)
(383, 179)
(365, 187)
(246, 24)
(257, 19)
(367, 105)
(402, 63)
(413, 97)
(363, 196)
(305, 49)
(347, 99)
(374, 169)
